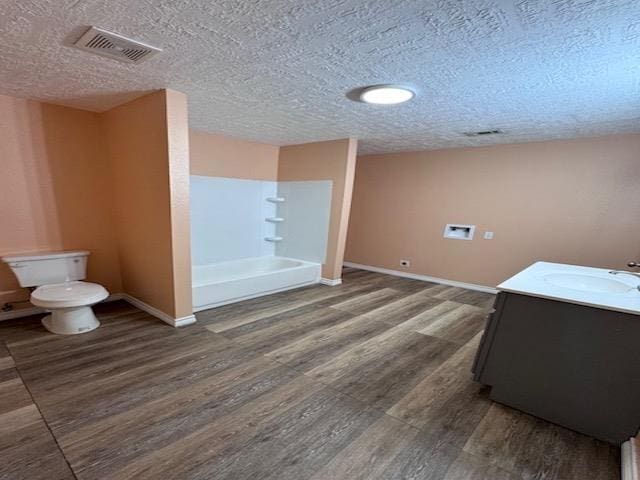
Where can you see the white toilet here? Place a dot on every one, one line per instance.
(57, 276)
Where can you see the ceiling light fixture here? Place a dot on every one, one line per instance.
(386, 94)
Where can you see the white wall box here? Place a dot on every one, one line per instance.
(458, 231)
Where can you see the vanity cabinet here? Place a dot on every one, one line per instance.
(573, 365)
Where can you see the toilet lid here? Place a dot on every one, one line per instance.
(68, 294)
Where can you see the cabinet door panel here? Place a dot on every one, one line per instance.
(573, 365)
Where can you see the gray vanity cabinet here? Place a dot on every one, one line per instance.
(572, 365)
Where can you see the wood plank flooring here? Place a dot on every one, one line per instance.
(367, 380)
(27, 448)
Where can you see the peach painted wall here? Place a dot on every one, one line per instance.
(178, 151)
(56, 189)
(219, 156)
(333, 160)
(149, 166)
(573, 201)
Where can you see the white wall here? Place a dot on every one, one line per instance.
(306, 212)
(227, 219)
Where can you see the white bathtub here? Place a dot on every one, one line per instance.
(227, 282)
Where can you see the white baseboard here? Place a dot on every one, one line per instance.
(332, 282)
(424, 278)
(145, 307)
(630, 460)
(174, 322)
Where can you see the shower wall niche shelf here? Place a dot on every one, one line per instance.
(273, 239)
(274, 219)
(275, 199)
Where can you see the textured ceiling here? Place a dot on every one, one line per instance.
(277, 71)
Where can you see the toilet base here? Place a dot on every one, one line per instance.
(71, 321)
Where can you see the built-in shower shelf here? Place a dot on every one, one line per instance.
(274, 219)
(273, 239)
(275, 199)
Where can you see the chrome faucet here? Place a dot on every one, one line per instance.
(622, 272)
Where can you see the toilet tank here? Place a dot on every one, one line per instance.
(36, 269)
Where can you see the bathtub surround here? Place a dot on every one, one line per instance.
(228, 219)
(246, 246)
(112, 183)
(332, 160)
(255, 237)
(217, 156)
(570, 201)
(231, 218)
(305, 214)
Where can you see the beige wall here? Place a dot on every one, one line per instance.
(148, 166)
(574, 201)
(219, 156)
(55, 188)
(178, 152)
(332, 160)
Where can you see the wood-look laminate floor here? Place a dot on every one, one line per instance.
(367, 380)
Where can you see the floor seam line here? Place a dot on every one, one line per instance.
(44, 420)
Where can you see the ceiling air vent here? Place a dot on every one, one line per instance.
(483, 133)
(115, 46)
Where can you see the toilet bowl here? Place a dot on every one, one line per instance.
(70, 306)
(56, 278)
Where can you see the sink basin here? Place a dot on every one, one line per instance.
(587, 283)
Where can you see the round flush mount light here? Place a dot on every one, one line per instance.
(386, 94)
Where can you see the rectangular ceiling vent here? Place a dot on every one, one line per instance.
(112, 45)
(483, 133)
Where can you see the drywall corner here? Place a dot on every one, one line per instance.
(147, 143)
(179, 196)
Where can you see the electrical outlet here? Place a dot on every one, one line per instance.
(488, 235)
(405, 263)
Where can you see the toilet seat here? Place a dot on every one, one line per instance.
(68, 295)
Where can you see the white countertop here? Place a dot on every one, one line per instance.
(534, 281)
